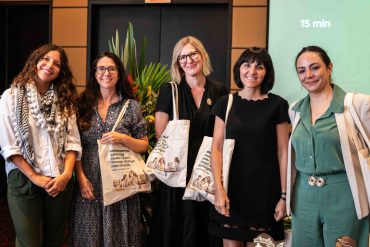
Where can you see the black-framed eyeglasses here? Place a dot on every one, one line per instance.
(192, 55)
(101, 70)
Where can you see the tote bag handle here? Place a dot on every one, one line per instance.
(175, 101)
(229, 104)
(121, 114)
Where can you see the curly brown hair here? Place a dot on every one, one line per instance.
(63, 84)
(89, 98)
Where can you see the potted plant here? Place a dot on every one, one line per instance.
(145, 79)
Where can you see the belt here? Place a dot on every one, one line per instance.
(324, 179)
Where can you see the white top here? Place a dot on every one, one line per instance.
(42, 141)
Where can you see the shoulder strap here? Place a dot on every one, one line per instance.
(229, 104)
(175, 101)
(348, 103)
(121, 114)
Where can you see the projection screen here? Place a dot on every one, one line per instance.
(341, 27)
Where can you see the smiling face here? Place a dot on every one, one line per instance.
(192, 65)
(252, 74)
(48, 67)
(312, 72)
(108, 79)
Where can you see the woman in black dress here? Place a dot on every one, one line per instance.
(258, 121)
(178, 222)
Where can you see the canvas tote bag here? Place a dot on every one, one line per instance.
(168, 160)
(201, 183)
(122, 170)
(360, 140)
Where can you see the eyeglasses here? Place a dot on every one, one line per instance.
(192, 55)
(101, 69)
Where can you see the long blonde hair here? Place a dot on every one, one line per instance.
(176, 70)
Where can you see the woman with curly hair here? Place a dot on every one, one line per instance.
(107, 91)
(40, 141)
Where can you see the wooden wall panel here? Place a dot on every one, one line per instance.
(235, 53)
(249, 27)
(24, 1)
(70, 26)
(70, 3)
(77, 63)
(80, 89)
(249, 2)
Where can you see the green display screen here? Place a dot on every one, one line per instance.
(340, 27)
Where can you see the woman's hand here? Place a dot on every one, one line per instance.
(86, 188)
(222, 203)
(280, 210)
(113, 138)
(57, 184)
(40, 180)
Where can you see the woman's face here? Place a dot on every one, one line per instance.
(106, 73)
(252, 74)
(312, 72)
(190, 61)
(48, 67)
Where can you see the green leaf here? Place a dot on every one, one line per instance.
(142, 55)
(147, 77)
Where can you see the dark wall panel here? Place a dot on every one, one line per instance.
(27, 28)
(208, 22)
(164, 25)
(106, 19)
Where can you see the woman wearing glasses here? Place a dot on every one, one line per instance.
(178, 222)
(106, 92)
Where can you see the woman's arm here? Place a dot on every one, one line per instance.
(222, 203)
(138, 142)
(59, 183)
(161, 121)
(10, 146)
(37, 179)
(282, 153)
(86, 188)
(139, 145)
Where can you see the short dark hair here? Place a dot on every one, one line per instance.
(312, 48)
(261, 56)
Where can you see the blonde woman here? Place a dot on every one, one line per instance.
(180, 222)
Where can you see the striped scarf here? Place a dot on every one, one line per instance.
(47, 108)
(22, 123)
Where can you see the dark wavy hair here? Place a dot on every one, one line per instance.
(313, 48)
(89, 98)
(63, 84)
(261, 56)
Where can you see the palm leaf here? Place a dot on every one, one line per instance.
(142, 55)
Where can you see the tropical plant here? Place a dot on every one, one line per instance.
(145, 79)
(287, 222)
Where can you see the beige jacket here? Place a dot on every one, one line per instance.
(361, 104)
